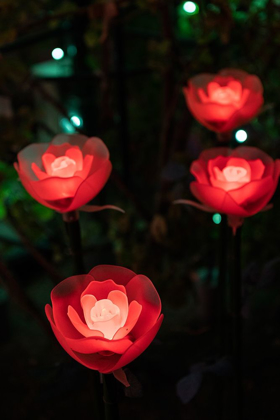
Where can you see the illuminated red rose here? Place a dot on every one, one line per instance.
(66, 173)
(224, 101)
(105, 319)
(237, 182)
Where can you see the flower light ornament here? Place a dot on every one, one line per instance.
(66, 173)
(105, 319)
(224, 101)
(238, 183)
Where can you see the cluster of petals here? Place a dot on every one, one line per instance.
(66, 173)
(237, 182)
(224, 101)
(105, 319)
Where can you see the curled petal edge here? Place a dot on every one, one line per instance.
(93, 209)
(195, 204)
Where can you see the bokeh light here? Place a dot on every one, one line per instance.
(217, 218)
(241, 136)
(76, 120)
(57, 54)
(190, 7)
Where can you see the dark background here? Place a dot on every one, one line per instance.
(122, 74)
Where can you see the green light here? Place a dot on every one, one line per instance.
(190, 8)
(77, 121)
(217, 218)
(57, 54)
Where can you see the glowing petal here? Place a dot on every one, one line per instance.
(80, 325)
(235, 173)
(120, 300)
(76, 154)
(86, 167)
(38, 172)
(134, 312)
(87, 303)
(106, 317)
(47, 159)
(63, 166)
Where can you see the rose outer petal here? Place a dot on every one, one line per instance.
(141, 289)
(218, 199)
(91, 345)
(93, 361)
(56, 188)
(90, 187)
(67, 293)
(252, 191)
(120, 275)
(138, 346)
(57, 333)
(26, 183)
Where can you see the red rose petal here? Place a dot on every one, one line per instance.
(119, 275)
(252, 191)
(101, 289)
(68, 293)
(56, 188)
(87, 303)
(257, 169)
(28, 155)
(76, 154)
(138, 346)
(86, 167)
(93, 345)
(90, 187)
(57, 333)
(134, 312)
(80, 326)
(217, 198)
(120, 299)
(47, 160)
(38, 172)
(199, 170)
(141, 289)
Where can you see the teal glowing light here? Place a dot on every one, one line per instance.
(217, 218)
(241, 136)
(71, 50)
(57, 54)
(77, 121)
(66, 126)
(190, 7)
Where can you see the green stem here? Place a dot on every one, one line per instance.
(72, 225)
(110, 398)
(237, 324)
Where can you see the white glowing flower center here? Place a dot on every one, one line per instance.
(225, 95)
(63, 166)
(234, 173)
(104, 310)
